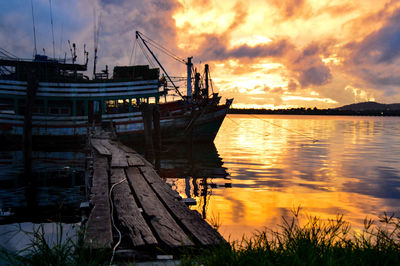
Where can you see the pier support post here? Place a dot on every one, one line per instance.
(157, 136)
(29, 179)
(157, 128)
(31, 90)
(147, 114)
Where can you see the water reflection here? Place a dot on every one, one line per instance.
(55, 190)
(326, 164)
(194, 171)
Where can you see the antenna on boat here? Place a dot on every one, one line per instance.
(73, 51)
(52, 30)
(139, 36)
(34, 29)
(85, 54)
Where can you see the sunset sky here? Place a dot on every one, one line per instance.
(263, 53)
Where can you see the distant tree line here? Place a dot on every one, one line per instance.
(315, 111)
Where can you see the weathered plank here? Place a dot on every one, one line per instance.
(96, 143)
(199, 228)
(99, 234)
(130, 152)
(118, 156)
(126, 148)
(134, 160)
(161, 220)
(129, 215)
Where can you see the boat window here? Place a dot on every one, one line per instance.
(60, 107)
(117, 106)
(152, 100)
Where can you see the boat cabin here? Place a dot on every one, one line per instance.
(64, 91)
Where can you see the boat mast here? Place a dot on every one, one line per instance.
(189, 78)
(206, 70)
(158, 62)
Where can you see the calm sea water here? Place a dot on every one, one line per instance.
(328, 165)
(259, 168)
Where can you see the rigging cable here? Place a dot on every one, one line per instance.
(61, 40)
(133, 52)
(52, 30)
(146, 55)
(112, 220)
(162, 48)
(34, 29)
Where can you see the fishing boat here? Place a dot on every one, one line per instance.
(60, 104)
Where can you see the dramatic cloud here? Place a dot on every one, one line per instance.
(265, 53)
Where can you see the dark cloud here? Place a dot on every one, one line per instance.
(315, 76)
(74, 21)
(376, 58)
(381, 46)
(292, 86)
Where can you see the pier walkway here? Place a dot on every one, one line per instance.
(127, 191)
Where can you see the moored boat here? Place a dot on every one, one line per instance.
(66, 103)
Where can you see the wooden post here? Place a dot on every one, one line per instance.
(157, 137)
(27, 134)
(29, 180)
(157, 128)
(147, 115)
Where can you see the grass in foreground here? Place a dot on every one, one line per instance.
(316, 242)
(60, 251)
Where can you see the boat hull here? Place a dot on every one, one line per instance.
(50, 130)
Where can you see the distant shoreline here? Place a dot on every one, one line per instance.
(315, 111)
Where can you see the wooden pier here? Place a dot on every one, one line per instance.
(147, 211)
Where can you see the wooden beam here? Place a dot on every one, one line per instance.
(161, 220)
(134, 160)
(129, 215)
(98, 233)
(118, 156)
(96, 143)
(192, 221)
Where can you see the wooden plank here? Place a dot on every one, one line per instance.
(126, 148)
(99, 232)
(96, 143)
(161, 220)
(129, 215)
(118, 156)
(134, 160)
(130, 152)
(193, 223)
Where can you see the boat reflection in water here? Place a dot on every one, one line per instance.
(53, 192)
(194, 171)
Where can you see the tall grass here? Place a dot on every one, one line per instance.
(60, 250)
(314, 242)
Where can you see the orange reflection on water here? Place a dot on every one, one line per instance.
(326, 165)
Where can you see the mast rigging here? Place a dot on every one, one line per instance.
(138, 35)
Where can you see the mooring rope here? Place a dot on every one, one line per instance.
(112, 219)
